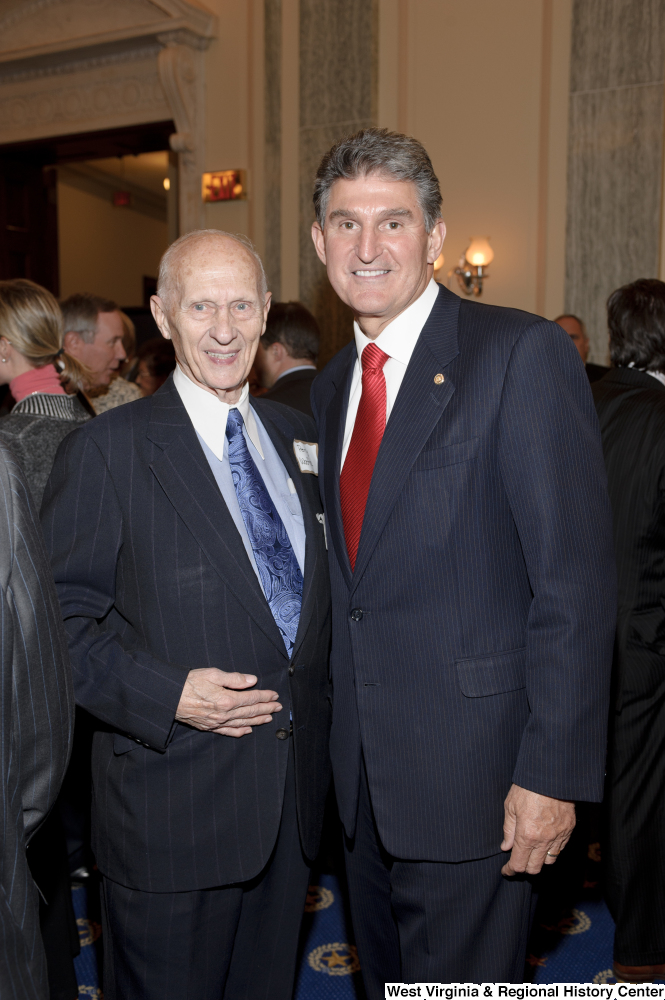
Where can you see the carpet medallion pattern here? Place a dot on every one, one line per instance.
(575, 948)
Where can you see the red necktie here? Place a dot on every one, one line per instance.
(365, 441)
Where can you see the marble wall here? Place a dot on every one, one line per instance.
(615, 153)
(273, 140)
(338, 63)
(337, 96)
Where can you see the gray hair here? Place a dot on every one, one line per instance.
(80, 312)
(194, 239)
(377, 150)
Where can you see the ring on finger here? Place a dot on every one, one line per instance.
(550, 855)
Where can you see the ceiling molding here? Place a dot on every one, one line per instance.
(70, 66)
(27, 30)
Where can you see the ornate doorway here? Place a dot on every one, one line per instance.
(29, 203)
(77, 66)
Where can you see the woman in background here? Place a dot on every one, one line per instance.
(156, 361)
(45, 381)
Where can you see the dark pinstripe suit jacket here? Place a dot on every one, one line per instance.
(631, 409)
(485, 578)
(36, 718)
(154, 580)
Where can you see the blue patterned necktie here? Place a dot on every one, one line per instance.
(276, 561)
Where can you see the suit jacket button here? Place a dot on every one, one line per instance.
(292, 671)
(282, 734)
(356, 614)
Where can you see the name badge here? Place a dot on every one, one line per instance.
(307, 456)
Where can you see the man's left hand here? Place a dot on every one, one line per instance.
(536, 829)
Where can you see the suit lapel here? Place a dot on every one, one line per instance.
(281, 435)
(335, 422)
(183, 472)
(418, 408)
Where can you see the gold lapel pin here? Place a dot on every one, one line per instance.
(438, 379)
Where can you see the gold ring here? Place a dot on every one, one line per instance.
(550, 855)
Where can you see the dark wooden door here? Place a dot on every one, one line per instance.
(28, 222)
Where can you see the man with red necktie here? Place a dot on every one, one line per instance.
(473, 595)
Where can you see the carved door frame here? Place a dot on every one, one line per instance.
(122, 63)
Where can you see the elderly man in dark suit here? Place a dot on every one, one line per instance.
(189, 555)
(473, 596)
(630, 401)
(35, 729)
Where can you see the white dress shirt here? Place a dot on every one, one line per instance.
(209, 415)
(398, 341)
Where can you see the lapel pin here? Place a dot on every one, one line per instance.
(438, 379)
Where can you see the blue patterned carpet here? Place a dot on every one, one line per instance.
(570, 943)
(87, 972)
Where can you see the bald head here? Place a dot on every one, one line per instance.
(576, 330)
(183, 253)
(212, 303)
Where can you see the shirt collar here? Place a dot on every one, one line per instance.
(399, 338)
(296, 368)
(209, 414)
(659, 375)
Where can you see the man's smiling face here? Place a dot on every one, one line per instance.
(376, 248)
(215, 315)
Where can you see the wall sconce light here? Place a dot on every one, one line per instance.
(471, 270)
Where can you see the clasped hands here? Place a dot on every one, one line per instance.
(536, 828)
(220, 702)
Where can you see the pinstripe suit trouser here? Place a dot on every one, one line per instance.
(236, 942)
(432, 922)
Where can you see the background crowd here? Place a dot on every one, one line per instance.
(64, 363)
